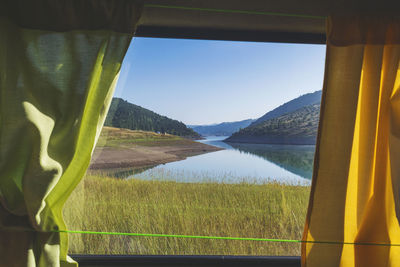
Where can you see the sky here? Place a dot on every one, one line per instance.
(205, 82)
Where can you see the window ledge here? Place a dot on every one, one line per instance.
(197, 260)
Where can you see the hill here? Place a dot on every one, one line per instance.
(297, 127)
(221, 129)
(123, 114)
(293, 105)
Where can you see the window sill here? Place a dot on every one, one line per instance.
(197, 260)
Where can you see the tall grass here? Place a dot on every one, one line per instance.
(270, 210)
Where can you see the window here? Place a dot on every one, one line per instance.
(203, 138)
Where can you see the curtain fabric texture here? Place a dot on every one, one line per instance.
(55, 90)
(356, 183)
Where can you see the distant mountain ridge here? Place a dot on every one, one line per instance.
(123, 114)
(221, 129)
(292, 105)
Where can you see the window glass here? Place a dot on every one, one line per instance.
(203, 138)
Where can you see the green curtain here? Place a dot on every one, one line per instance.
(55, 90)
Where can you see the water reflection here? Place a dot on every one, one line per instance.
(237, 163)
(297, 159)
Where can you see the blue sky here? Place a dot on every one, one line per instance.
(205, 82)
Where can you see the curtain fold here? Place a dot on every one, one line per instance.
(356, 181)
(55, 91)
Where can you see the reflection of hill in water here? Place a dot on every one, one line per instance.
(297, 159)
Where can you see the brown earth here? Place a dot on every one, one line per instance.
(149, 154)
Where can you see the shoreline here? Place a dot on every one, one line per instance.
(266, 140)
(144, 155)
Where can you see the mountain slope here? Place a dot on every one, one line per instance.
(297, 127)
(221, 129)
(123, 114)
(293, 105)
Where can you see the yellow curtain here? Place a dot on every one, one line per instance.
(356, 183)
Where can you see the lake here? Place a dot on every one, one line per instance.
(238, 162)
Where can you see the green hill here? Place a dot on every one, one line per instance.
(123, 114)
(292, 105)
(297, 127)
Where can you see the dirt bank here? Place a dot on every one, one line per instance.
(145, 154)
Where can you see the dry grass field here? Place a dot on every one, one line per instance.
(270, 210)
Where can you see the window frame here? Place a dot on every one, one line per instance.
(183, 261)
(206, 260)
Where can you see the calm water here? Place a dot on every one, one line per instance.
(240, 163)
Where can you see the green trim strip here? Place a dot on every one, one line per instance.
(228, 238)
(235, 11)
